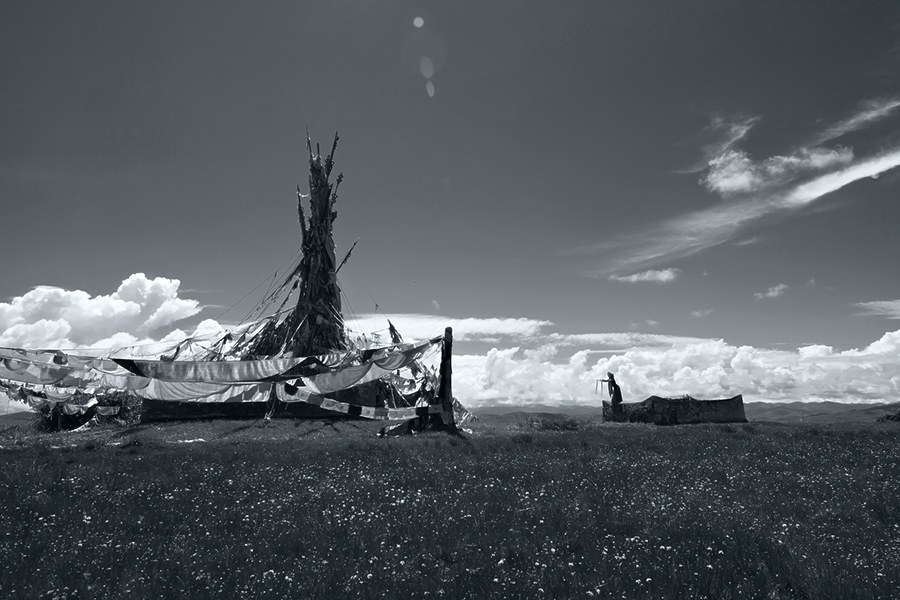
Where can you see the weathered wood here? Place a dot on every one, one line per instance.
(316, 325)
(445, 389)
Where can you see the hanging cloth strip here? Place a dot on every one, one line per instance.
(381, 365)
(184, 391)
(238, 371)
(342, 375)
(287, 392)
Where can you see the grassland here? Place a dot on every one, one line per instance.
(316, 509)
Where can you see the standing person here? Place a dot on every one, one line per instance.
(615, 393)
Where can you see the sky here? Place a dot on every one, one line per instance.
(699, 196)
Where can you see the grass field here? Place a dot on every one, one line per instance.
(320, 509)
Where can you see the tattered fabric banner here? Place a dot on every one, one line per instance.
(36, 374)
(56, 368)
(287, 392)
(62, 376)
(67, 408)
(377, 364)
(238, 371)
(188, 391)
(378, 367)
(45, 357)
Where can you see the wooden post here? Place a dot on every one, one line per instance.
(445, 393)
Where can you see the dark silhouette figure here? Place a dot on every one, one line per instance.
(615, 393)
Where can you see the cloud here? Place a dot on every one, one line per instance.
(773, 292)
(813, 190)
(733, 172)
(872, 110)
(748, 241)
(662, 276)
(529, 363)
(776, 186)
(602, 342)
(423, 327)
(700, 314)
(881, 308)
(725, 134)
(694, 232)
(52, 317)
(436, 305)
(732, 131)
(519, 332)
(703, 368)
(538, 365)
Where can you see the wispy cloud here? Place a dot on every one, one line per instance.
(661, 276)
(813, 190)
(725, 133)
(700, 314)
(731, 131)
(734, 172)
(773, 292)
(872, 110)
(776, 186)
(881, 308)
(624, 340)
(471, 329)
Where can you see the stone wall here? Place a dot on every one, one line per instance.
(678, 411)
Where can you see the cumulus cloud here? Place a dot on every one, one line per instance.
(52, 317)
(881, 308)
(773, 292)
(703, 368)
(661, 276)
(532, 363)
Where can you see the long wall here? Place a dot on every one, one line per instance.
(680, 411)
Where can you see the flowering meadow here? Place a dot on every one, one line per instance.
(324, 509)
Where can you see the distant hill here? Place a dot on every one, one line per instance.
(782, 412)
(15, 418)
(573, 410)
(817, 412)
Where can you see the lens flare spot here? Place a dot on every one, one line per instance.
(426, 66)
(419, 44)
(429, 87)
(418, 21)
